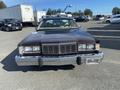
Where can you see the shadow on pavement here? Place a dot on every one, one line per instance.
(107, 27)
(9, 64)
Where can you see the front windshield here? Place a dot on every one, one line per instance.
(10, 20)
(57, 23)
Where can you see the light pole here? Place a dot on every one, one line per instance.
(68, 6)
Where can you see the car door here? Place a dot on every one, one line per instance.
(115, 19)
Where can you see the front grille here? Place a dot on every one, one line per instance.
(59, 48)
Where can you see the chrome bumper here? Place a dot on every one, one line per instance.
(60, 60)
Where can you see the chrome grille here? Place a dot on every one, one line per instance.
(59, 48)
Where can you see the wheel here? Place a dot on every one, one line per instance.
(20, 29)
(108, 21)
(79, 61)
(7, 29)
(2, 29)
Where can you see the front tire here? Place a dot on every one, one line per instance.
(108, 21)
(20, 29)
(78, 61)
(7, 29)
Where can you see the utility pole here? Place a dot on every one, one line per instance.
(68, 6)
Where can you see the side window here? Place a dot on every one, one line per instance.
(65, 22)
(116, 17)
(47, 23)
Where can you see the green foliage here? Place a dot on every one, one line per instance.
(76, 13)
(53, 11)
(115, 10)
(88, 12)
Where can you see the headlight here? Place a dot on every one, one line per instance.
(81, 47)
(9, 25)
(85, 47)
(36, 48)
(90, 46)
(29, 49)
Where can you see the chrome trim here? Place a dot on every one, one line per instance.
(60, 43)
(61, 60)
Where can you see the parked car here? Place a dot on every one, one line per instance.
(81, 19)
(1, 24)
(99, 17)
(11, 24)
(58, 41)
(113, 19)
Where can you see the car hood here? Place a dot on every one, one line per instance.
(36, 38)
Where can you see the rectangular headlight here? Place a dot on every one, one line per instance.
(90, 46)
(29, 49)
(85, 47)
(82, 47)
(36, 48)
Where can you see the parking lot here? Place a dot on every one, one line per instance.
(105, 76)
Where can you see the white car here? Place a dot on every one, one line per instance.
(113, 19)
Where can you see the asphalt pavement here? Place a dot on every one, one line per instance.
(104, 76)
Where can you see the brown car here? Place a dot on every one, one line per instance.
(58, 41)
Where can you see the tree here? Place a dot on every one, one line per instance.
(81, 13)
(68, 12)
(115, 10)
(53, 11)
(59, 10)
(49, 12)
(88, 12)
(76, 14)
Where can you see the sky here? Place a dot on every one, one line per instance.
(97, 6)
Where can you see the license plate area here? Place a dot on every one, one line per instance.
(92, 61)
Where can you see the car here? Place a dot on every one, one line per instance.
(113, 19)
(58, 41)
(11, 25)
(81, 19)
(99, 17)
(1, 24)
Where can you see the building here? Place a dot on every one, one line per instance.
(2, 4)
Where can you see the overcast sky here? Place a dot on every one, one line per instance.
(97, 6)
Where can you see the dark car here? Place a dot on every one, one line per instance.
(81, 19)
(1, 24)
(11, 25)
(99, 17)
(58, 41)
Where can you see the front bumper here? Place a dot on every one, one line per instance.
(59, 60)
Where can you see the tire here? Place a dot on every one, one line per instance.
(2, 29)
(20, 29)
(7, 29)
(108, 21)
(78, 61)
